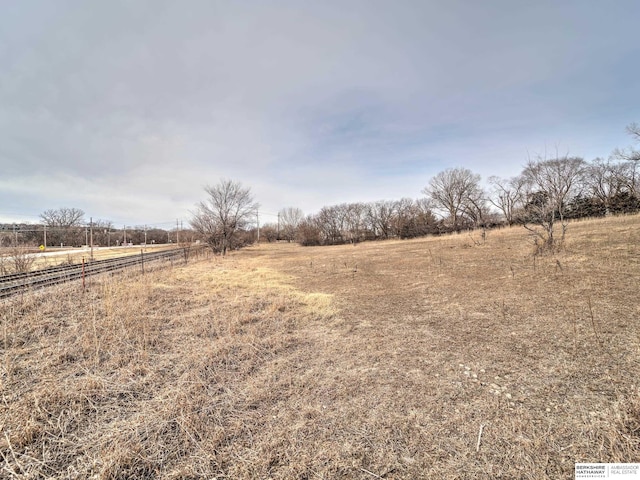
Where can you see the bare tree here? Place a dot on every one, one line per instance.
(380, 217)
(508, 195)
(609, 182)
(331, 221)
(354, 222)
(102, 232)
(632, 157)
(290, 219)
(63, 224)
(454, 192)
(63, 217)
(269, 232)
(309, 233)
(551, 184)
(228, 208)
(632, 154)
(413, 218)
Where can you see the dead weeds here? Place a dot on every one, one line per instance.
(429, 358)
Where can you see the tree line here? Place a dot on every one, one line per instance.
(66, 226)
(546, 194)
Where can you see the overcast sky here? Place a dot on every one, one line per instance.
(127, 109)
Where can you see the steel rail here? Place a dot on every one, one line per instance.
(61, 268)
(15, 283)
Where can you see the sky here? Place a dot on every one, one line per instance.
(128, 109)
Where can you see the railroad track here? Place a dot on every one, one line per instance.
(20, 282)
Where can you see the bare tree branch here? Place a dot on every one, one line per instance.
(550, 185)
(456, 192)
(290, 219)
(228, 208)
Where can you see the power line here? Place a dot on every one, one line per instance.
(267, 213)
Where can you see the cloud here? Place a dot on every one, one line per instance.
(128, 109)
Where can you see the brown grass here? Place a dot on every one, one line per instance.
(383, 360)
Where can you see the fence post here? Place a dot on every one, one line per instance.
(142, 259)
(83, 284)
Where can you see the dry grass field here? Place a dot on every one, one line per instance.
(434, 358)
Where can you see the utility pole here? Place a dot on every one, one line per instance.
(177, 232)
(91, 230)
(258, 224)
(15, 235)
(45, 236)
